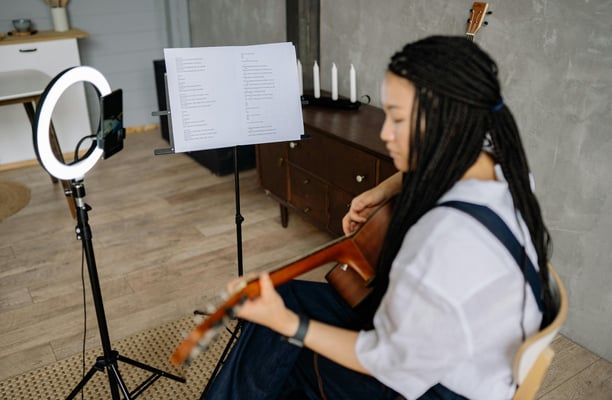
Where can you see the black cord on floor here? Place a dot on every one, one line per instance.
(84, 314)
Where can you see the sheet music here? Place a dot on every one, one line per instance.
(235, 95)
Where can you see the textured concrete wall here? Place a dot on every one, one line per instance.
(236, 22)
(555, 61)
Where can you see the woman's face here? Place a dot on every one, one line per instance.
(397, 95)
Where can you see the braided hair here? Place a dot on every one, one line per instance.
(457, 103)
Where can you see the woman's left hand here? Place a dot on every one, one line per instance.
(269, 309)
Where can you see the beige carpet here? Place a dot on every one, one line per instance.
(151, 347)
(13, 197)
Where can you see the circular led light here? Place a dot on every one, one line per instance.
(48, 100)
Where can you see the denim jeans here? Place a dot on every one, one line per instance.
(263, 366)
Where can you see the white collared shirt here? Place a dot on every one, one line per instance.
(452, 312)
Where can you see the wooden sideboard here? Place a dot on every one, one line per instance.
(319, 176)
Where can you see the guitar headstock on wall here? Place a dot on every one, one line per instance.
(477, 18)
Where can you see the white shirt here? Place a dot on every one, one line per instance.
(452, 312)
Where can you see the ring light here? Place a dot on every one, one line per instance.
(48, 100)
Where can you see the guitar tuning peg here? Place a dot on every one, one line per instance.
(489, 12)
(194, 352)
(486, 22)
(203, 345)
(468, 21)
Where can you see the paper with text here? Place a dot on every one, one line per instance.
(235, 95)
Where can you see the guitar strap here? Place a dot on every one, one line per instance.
(498, 227)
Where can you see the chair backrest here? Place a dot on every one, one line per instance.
(535, 354)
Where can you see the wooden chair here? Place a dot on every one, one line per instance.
(535, 354)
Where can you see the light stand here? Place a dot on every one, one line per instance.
(75, 173)
(111, 357)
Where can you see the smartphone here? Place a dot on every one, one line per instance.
(111, 133)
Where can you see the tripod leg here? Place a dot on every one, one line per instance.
(150, 369)
(222, 359)
(85, 379)
(116, 380)
(99, 365)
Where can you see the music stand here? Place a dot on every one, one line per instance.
(75, 173)
(238, 221)
(218, 106)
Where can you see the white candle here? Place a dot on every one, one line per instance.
(300, 77)
(353, 78)
(334, 77)
(315, 78)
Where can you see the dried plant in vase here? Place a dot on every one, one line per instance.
(59, 16)
(56, 3)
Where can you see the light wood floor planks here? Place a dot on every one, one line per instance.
(164, 239)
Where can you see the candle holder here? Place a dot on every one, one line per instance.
(327, 102)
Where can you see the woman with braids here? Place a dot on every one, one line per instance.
(451, 304)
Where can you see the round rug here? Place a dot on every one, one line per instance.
(13, 197)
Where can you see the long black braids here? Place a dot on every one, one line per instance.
(457, 102)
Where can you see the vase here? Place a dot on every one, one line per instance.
(60, 19)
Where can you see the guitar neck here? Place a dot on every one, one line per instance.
(359, 250)
(334, 251)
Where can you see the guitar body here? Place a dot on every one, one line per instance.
(349, 285)
(358, 252)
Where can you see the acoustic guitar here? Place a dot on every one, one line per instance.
(359, 251)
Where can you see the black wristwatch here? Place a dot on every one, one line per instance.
(298, 338)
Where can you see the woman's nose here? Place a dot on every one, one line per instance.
(386, 132)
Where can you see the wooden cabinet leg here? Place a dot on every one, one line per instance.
(284, 214)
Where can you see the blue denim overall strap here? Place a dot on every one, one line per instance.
(498, 227)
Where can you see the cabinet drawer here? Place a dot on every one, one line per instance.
(308, 194)
(387, 168)
(51, 56)
(310, 154)
(351, 169)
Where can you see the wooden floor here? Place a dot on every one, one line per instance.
(164, 238)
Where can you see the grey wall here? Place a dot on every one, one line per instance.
(555, 59)
(125, 38)
(236, 22)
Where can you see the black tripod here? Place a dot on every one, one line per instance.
(111, 357)
(236, 332)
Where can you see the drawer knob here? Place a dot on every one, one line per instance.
(293, 145)
(280, 161)
(306, 181)
(306, 210)
(360, 178)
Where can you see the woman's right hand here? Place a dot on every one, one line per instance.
(362, 207)
(369, 201)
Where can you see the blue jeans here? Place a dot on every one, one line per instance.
(263, 366)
